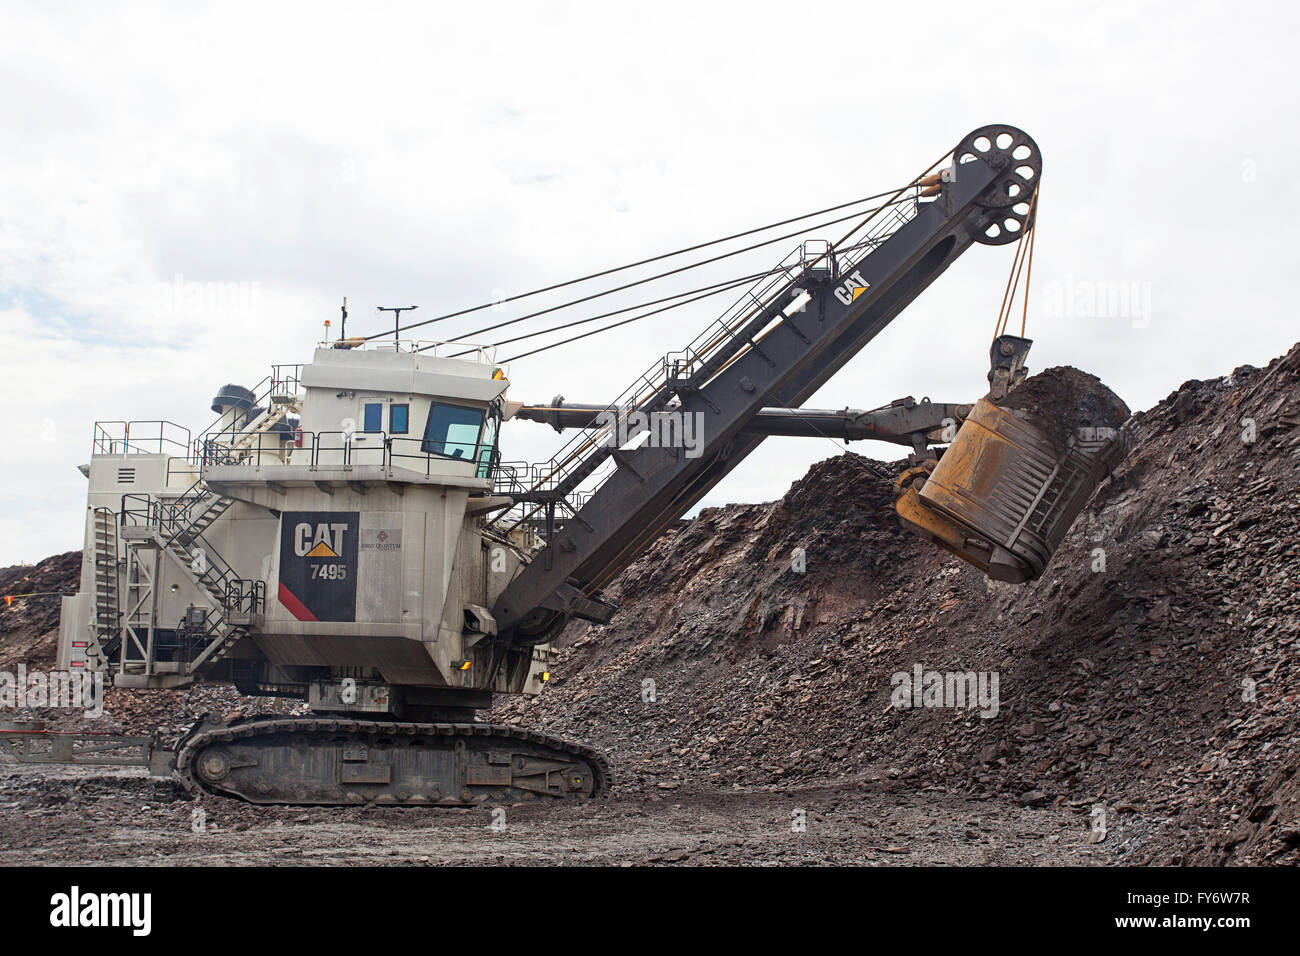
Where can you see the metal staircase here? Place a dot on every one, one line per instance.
(229, 619)
(106, 562)
(174, 530)
(199, 515)
(261, 425)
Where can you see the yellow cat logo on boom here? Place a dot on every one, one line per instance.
(852, 287)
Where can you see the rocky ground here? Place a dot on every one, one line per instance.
(1146, 708)
(125, 817)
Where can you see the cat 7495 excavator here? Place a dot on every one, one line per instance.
(347, 534)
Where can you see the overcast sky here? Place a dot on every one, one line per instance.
(443, 155)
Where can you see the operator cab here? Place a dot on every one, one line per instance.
(397, 407)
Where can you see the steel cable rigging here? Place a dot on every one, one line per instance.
(686, 297)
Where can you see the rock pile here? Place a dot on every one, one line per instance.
(1147, 681)
(1062, 399)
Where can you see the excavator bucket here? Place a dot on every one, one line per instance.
(1007, 490)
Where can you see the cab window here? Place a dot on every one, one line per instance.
(452, 430)
(397, 419)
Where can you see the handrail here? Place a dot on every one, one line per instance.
(119, 441)
(483, 354)
(344, 449)
(174, 521)
(246, 596)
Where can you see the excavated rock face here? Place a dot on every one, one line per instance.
(25, 621)
(1062, 399)
(1151, 672)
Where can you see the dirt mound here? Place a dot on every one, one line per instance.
(34, 611)
(1062, 399)
(1146, 680)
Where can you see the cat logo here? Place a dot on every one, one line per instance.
(318, 564)
(324, 541)
(852, 287)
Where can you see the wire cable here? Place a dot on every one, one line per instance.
(717, 286)
(642, 262)
(663, 275)
(1029, 271)
(628, 321)
(1017, 266)
(722, 287)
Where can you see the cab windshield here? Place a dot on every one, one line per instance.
(452, 431)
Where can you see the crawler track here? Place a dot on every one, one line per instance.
(329, 761)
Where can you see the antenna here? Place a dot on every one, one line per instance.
(397, 316)
(343, 321)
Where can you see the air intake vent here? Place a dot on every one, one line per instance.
(126, 476)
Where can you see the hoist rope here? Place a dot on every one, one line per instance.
(1025, 244)
(642, 262)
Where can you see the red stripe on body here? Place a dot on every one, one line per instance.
(296, 607)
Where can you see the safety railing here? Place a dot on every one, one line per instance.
(674, 369)
(206, 564)
(150, 437)
(175, 522)
(342, 449)
(245, 596)
(285, 381)
(169, 516)
(241, 596)
(871, 234)
(265, 434)
(437, 348)
(346, 450)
